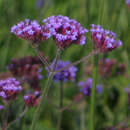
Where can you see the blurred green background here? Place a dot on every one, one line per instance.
(112, 15)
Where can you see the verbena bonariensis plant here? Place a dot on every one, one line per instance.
(68, 74)
(27, 69)
(65, 32)
(9, 89)
(107, 68)
(128, 2)
(86, 87)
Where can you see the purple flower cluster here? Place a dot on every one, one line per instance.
(65, 31)
(39, 3)
(128, 2)
(86, 86)
(106, 67)
(28, 69)
(127, 90)
(9, 88)
(32, 99)
(64, 75)
(104, 40)
(31, 30)
(1, 107)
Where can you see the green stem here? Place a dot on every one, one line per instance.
(42, 58)
(18, 118)
(92, 105)
(83, 118)
(60, 105)
(5, 116)
(45, 92)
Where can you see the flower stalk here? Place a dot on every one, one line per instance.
(18, 118)
(93, 96)
(5, 116)
(60, 105)
(41, 57)
(45, 92)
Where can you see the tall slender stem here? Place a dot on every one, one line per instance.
(82, 116)
(42, 58)
(18, 118)
(45, 92)
(60, 105)
(92, 105)
(5, 116)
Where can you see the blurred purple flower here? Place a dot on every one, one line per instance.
(128, 2)
(39, 4)
(28, 69)
(106, 67)
(64, 75)
(127, 89)
(104, 40)
(9, 88)
(86, 86)
(1, 107)
(65, 31)
(32, 99)
(99, 89)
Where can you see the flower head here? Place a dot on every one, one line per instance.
(9, 88)
(106, 67)
(104, 40)
(128, 2)
(32, 99)
(86, 86)
(121, 68)
(127, 90)
(31, 30)
(65, 31)
(64, 75)
(1, 107)
(39, 4)
(27, 68)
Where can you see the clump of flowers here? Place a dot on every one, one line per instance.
(1, 107)
(106, 67)
(121, 68)
(31, 30)
(65, 31)
(39, 4)
(32, 99)
(9, 88)
(128, 91)
(128, 2)
(64, 75)
(28, 69)
(104, 40)
(86, 87)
